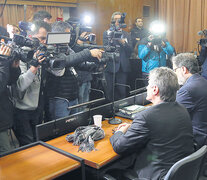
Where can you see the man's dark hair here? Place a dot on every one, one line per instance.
(61, 26)
(138, 18)
(41, 15)
(38, 25)
(187, 60)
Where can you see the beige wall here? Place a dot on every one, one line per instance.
(103, 9)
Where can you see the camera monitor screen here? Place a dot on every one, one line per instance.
(58, 38)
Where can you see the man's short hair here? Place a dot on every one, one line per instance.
(61, 26)
(187, 60)
(167, 82)
(138, 18)
(41, 15)
(114, 14)
(38, 25)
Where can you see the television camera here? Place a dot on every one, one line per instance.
(115, 31)
(203, 41)
(113, 35)
(79, 26)
(24, 48)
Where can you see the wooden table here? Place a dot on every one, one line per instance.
(37, 162)
(95, 159)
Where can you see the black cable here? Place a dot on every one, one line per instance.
(3, 8)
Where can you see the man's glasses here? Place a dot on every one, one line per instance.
(176, 69)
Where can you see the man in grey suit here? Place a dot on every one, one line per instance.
(162, 134)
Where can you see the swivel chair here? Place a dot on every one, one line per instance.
(189, 167)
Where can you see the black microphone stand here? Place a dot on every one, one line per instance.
(114, 120)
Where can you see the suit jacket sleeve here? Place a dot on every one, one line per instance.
(128, 45)
(4, 74)
(105, 40)
(168, 49)
(184, 97)
(143, 51)
(135, 137)
(203, 55)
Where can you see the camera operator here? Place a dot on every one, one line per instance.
(122, 65)
(153, 51)
(29, 91)
(84, 75)
(62, 92)
(9, 72)
(42, 16)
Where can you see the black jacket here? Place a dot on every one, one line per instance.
(138, 33)
(7, 76)
(84, 69)
(66, 86)
(161, 135)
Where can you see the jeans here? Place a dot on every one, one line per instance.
(4, 142)
(25, 122)
(84, 91)
(58, 107)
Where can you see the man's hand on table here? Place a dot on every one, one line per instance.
(123, 127)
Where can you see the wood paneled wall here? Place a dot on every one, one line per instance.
(67, 3)
(103, 9)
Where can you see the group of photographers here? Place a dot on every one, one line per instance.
(39, 90)
(35, 82)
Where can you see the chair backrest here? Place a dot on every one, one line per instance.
(188, 168)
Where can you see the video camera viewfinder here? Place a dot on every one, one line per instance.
(58, 38)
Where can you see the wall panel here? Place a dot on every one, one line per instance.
(105, 8)
(67, 3)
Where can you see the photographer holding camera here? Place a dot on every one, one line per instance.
(84, 75)
(29, 91)
(9, 72)
(122, 65)
(62, 91)
(154, 50)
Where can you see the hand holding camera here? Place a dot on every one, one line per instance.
(96, 53)
(5, 50)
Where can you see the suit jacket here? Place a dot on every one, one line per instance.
(125, 52)
(138, 33)
(193, 95)
(8, 76)
(203, 61)
(161, 135)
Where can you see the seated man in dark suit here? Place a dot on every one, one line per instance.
(162, 134)
(193, 94)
